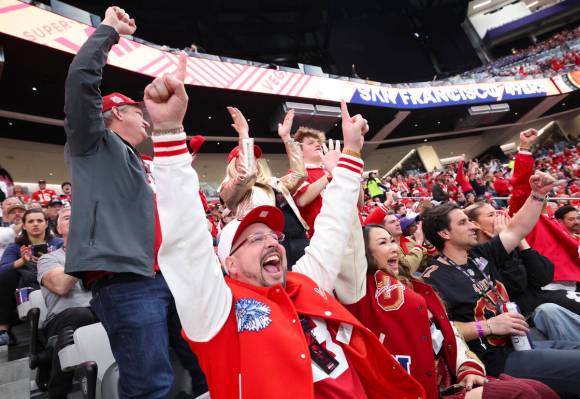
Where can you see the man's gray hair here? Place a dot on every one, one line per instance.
(108, 115)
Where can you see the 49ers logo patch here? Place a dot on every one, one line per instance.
(390, 294)
(252, 315)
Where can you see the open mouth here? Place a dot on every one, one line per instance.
(272, 263)
(393, 262)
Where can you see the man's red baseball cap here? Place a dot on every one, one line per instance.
(236, 151)
(117, 100)
(269, 215)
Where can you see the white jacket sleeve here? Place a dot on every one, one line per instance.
(186, 256)
(351, 283)
(467, 361)
(323, 257)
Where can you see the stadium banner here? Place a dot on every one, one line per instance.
(40, 26)
(567, 83)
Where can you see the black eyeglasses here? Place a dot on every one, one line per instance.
(261, 238)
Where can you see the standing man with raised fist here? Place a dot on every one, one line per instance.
(114, 233)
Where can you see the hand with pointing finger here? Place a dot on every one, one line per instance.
(353, 129)
(166, 99)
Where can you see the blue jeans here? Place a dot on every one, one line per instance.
(557, 323)
(555, 363)
(139, 316)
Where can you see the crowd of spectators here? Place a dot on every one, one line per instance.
(558, 54)
(469, 181)
(315, 277)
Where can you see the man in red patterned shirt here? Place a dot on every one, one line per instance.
(43, 194)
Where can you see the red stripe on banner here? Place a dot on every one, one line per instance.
(230, 67)
(303, 86)
(207, 74)
(162, 68)
(67, 43)
(351, 161)
(251, 73)
(168, 143)
(198, 77)
(225, 72)
(237, 68)
(358, 171)
(258, 80)
(212, 65)
(292, 76)
(118, 52)
(295, 83)
(171, 153)
(13, 8)
(125, 44)
(150, 64)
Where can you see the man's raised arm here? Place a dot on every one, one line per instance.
(186, 256)
(322, 259)
(524, 221)
(84, 124)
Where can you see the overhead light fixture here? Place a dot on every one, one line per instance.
(532, 4)
(483, 3)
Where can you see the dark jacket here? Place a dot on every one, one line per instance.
(112, 224)
(438, 193)
(524, 274)
(28, 271)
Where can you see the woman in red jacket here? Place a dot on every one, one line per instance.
(410, 320)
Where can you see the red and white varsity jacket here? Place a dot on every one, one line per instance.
(398, 315)
(248, 338)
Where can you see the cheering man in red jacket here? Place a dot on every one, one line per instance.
(263, 332)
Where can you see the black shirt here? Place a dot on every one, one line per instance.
(473, 293)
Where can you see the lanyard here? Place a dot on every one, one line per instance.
(476, 286)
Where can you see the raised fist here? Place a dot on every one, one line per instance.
(166, 99)
(353, 129)
(119, 20)
(542, 183)
(527, 138)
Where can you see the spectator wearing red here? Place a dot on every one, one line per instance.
(461, 179)
(308, 197)
(43, 194)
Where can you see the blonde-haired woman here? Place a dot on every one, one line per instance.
(249, 182)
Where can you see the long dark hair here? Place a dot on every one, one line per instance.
(23, 238)
(372, 267)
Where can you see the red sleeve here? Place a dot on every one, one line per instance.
(203, 200)
(523, 169)
(461, 179)
(377, 215)
(300, 191)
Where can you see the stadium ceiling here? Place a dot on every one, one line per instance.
(32, 95)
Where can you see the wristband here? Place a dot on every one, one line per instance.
(352, 153)
(479, 329)
(178, 129)
(537, 197)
